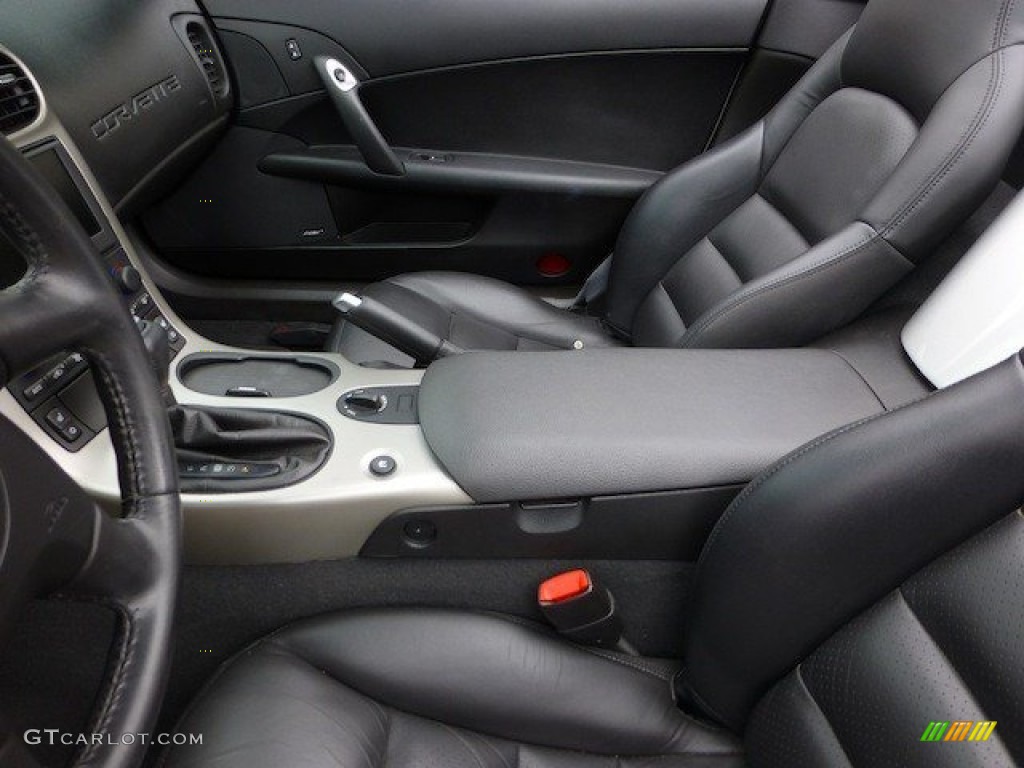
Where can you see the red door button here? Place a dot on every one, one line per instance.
(553, 264)
(563, 587)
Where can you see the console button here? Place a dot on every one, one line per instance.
(71, 432)
(420, 533)
(128, 279)
(142, 306)
(223, 470)
(382, 466)
(173, 337)
(365, 402)
(59, 418)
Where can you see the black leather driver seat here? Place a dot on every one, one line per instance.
(795, 227)
(866, 586)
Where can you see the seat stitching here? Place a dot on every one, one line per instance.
(115, 687)
(765, 476)
(385, 723)
(736, 303)
(660, 286)
(981, 117)
(798, 671)
(631, 663)
(1003, 24)
(486, 742)
(468, 747)
(39, 265)
(346, 726)
(942, 652)
(722, 255)
(992, 91)
(777, 210)
(860, 376)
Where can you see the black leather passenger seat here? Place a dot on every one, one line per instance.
(864, 587)
(795, 227)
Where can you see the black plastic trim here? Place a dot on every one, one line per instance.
(670, 525)
(462, 172)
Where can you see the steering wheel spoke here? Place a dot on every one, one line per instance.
(28, 335)
(53, 536)
(48, 524)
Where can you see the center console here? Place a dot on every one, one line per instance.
(606, 454)
(279, 460)
(289, 457)
(292, 457)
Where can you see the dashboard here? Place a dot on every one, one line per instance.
(140, 87)
(115, 101)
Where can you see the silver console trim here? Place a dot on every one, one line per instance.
(328, 516)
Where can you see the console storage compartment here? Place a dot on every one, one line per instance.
(255, 375)
(551, 425)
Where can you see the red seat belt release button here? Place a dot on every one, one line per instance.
(564, 586)
(581, 609)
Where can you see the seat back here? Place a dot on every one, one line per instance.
(837, 601)
(795, 227)
(932, 676)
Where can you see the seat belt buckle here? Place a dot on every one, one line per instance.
(582, 610)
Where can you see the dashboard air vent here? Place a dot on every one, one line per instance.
(19, 102)
(213, 67)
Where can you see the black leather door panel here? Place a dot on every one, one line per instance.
(644, 110)
(649, 110)
(394, 36)
(643, 84)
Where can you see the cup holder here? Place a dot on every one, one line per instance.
(249, 375)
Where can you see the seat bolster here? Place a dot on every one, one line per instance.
(674, 215)
(820, 81)
(822, 290)
(688, 203)
(957, 159)
(498, 677)
(903, 489)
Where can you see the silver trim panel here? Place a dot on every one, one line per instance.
(326, 517)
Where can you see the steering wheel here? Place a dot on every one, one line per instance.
(53, 536)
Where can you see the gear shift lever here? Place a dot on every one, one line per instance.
(159, 348)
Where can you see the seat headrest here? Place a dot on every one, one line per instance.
(913, 50)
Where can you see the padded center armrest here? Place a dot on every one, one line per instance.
(548, 425)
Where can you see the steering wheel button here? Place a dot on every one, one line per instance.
(382, 466)
(36, 390)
